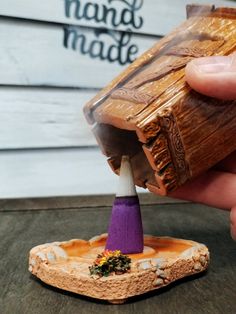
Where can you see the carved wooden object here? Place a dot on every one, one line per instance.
(148, 112)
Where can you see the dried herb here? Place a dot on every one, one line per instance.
(110, 262)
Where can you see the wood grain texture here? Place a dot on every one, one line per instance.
(158, 19)
(152, 102)
(43, 118)
(213, 292)
(35, 55)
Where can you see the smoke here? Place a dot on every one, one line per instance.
(199, 10)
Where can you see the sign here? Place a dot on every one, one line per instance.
(106, 45)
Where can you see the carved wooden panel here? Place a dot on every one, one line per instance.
(181, 132)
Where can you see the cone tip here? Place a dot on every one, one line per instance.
(124, 158)
(126, 185)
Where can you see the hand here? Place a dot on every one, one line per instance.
(215, 77)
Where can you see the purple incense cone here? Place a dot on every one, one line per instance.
(125, 230)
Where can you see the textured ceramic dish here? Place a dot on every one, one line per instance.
(65, 265)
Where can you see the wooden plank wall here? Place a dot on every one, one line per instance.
(54, 56)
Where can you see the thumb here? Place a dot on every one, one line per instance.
(233, 222)
(213, 76)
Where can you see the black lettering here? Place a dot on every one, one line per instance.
(69, 6)
(110, 14)
(137, 21)
(113, 54)
(132, 51)
(90, 11)
(121, 51)
(117, 52)
(128, 15)
(100, 13)
(124, 41)
(97, 50)
(77, 39)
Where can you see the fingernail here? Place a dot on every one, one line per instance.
(213, 65)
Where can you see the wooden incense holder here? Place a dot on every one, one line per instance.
(65, 265)
(148, 112)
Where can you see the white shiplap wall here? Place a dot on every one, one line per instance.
(46, 147)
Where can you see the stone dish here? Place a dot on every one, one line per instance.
(65, 265)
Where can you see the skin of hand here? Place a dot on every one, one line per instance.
(215, 77)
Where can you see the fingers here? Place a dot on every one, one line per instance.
(213, 76)
(233, 223)
(213, 188)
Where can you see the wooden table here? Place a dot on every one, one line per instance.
(26, 223)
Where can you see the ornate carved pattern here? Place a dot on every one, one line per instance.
(192, 45)
(196, 48)
(132, 95)
(151, 129)
(176, 146)
(159, 145)
(167, 178)
(157, 75)
(188, 51)
(171, 145)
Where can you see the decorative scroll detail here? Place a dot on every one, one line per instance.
(176, 146)
(188, 51)
(196, 51)
(169, 49)
(189, 46)
(132, 95)
(151, 129)
(157, 75)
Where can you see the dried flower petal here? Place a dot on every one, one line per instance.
(110, 262)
